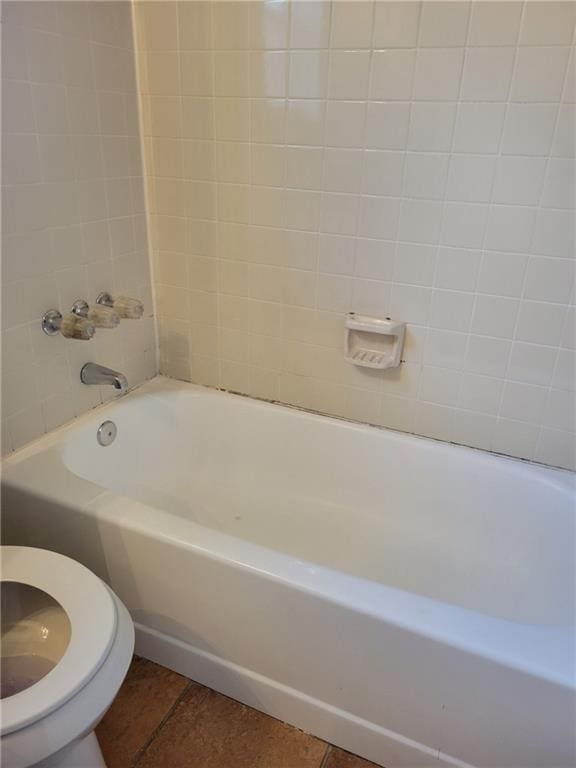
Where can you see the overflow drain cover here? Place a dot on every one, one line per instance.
(107, 432)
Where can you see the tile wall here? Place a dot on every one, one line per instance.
(72, 205)
(306, 159)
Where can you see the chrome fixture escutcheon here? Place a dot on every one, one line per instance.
(106, 433)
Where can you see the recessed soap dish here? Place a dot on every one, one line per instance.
(373, 342)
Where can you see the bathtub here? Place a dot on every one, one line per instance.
(408, 600)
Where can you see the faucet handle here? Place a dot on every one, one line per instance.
(74, 327)
(100, 315)
(69, 325)
(125, 306)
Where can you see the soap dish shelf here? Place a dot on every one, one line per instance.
(373, 342)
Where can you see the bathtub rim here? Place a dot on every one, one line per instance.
(355, 593)
(161, 384)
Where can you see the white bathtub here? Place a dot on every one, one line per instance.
(408, 600)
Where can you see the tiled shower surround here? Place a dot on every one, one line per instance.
(415, 160)
(304, 159)
(72, 205)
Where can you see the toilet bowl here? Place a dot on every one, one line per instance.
(67, 643)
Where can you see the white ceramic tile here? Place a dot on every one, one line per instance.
(21, 159)
(443, 23)
(267, 120)
(487, 356)
(479, 127)
(473, 429)
(550, 279)
(451, 310)
(268, 164)
(457, 268)
(494, 23)
(383, 172)
(308, 74)
(370, 297)
(515, 437)
(336, 254)
(26, 426)
(334, 293)
(420, 221)
(437, 73)
(559, 187)
(510, 228)
(304, 167)
(269, 24)
(540, 323)
(528, 129)
(352, 24)
(554, 233)
(559, 412)
(230, 25)
(431, 127)
(519, 180)
(392, 74)
(494, 316)
(539, 73)
(548, 23)
(446, 349)
(531, 363)
(18, 109)
(373, 259)
(487, 74)
(414, 264)
(556, 448)
(464, 224)
(564, 143)
(425, 175)
(502, 273)
(44, 53)
(302, 209)
(565, 370)
(569, 93)
(339, 214)
(396, 24)
(470, 178)
(439, 385)
(231, 74)
(310, 24)
(349, 74)
(378, 217)
(480, 393)
(305, 122)
(345, 122)
(433, 420)
(342, 170)
(387, 125)
(410, 302)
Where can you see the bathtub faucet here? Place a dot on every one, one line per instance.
(92, 373)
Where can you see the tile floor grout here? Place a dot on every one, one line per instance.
(162, 720)
(326, 756)
(142, 751)
(156, 732)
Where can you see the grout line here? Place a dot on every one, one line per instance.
(156, 732)
(327, 754)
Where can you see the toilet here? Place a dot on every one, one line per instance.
(67, 643)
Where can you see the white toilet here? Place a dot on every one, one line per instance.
(67, 643)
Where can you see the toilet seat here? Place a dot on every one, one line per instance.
(92, 614)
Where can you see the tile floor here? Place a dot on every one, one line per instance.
(163, 720)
